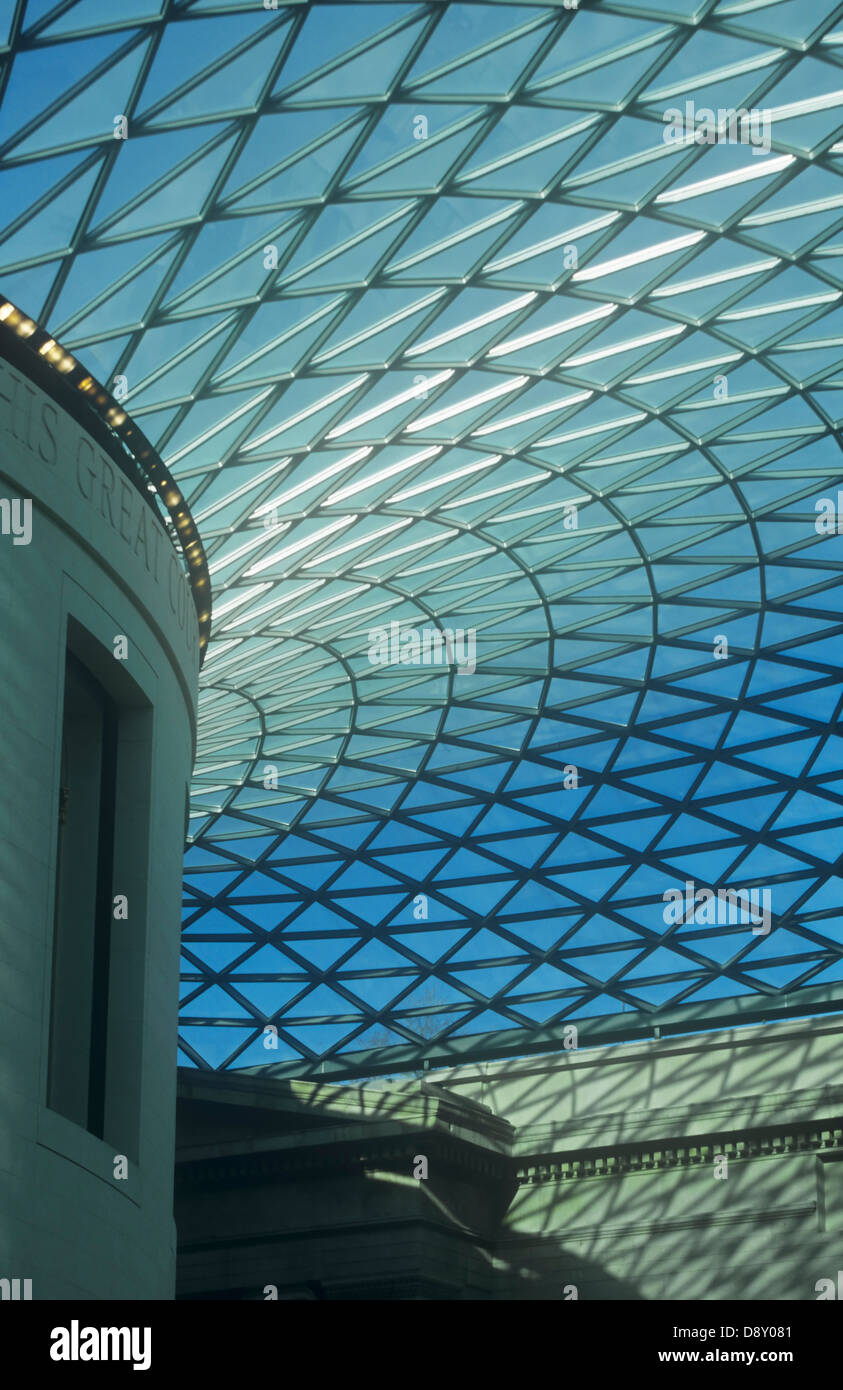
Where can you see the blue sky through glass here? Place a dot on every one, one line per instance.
(440, 328)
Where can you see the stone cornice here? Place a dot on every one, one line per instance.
(362, 1150)
(667, 1153)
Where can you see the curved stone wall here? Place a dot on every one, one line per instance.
(87, 566)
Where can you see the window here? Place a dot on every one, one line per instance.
(96, 1002)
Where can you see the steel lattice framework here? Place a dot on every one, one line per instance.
(435, 328)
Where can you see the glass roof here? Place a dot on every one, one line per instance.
(498, 350)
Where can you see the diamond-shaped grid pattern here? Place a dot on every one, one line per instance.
(437, 330)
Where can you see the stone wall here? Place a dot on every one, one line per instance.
(98, 565)
(698, 1168)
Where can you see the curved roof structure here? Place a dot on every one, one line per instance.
(32, 351)
(497, 351)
